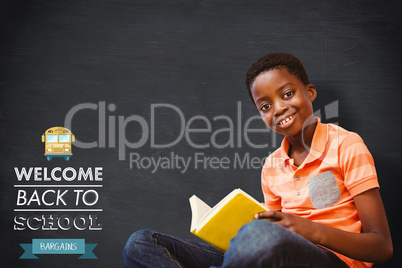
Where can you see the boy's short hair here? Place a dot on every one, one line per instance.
(276, 61)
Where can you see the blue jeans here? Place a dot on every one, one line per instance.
(260, 243)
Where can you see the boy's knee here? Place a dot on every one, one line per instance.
(250, 246)
(272, 236)
(136, 240)
(257, 228)
(261, 241)
(257, 232)
(266, 234)
(141, 235)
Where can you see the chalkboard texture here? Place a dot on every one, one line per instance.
(139, 82)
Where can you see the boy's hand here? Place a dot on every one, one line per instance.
(299, 225)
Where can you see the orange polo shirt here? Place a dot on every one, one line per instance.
(337, 168)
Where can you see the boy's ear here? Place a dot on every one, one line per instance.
(311, 91)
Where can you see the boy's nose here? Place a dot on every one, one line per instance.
(280, 108)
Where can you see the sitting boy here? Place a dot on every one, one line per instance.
(320, 186)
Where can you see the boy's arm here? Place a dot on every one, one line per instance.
(374, 244)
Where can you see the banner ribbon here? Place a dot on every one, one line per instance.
(58, 246)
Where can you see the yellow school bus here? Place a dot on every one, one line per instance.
(58, 143)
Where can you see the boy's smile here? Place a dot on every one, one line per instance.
(284, 102)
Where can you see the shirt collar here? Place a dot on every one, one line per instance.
(320, 138)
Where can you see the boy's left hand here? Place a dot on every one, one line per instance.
(299, 225)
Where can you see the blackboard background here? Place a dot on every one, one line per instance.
(194, 55)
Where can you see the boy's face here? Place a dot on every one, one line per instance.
(284, 102)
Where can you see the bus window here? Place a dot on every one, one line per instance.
(51, 138)
(64, 138)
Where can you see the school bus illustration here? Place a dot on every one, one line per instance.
(58, 143)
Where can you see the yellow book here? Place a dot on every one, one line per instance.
(219, 224)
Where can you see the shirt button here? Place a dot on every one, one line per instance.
(298, 193)
(297, 178)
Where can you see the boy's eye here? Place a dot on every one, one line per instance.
(288, 94)
(265, 107)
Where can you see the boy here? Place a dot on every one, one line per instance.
(320, 187)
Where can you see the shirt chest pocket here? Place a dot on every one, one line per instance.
(323, 189)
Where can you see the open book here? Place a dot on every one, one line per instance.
(219, 224)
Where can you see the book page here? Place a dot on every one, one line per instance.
(198, 210)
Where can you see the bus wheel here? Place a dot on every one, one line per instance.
(49, 158)
(66, 158)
